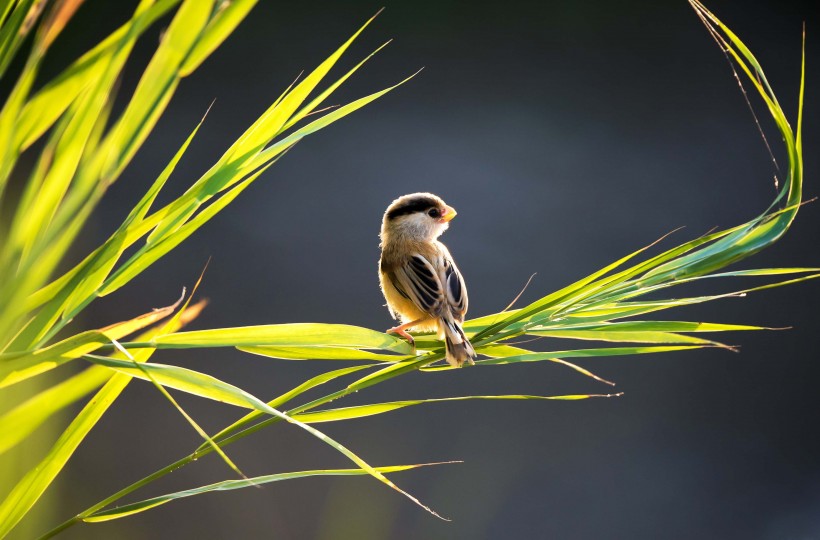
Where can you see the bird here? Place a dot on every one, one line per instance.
(419, 278)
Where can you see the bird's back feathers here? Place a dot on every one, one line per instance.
(423, 282)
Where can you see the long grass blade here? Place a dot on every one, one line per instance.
(322, 353)
(311, 383)
(19, 422)
(31, 487)
(49, 103)
(229, 485)
(281, 335)
(361, 411)
(209, 387)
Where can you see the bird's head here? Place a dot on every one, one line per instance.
(417, 216)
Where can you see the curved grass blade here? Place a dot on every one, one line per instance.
(29, 255)
(503, 350)
(509, 317)
(155, 87)
(15, 28)
(19, 422)
(270, 123)
(662, 326)
(603, 334)
(219, 27)
(318, 100)
(322, 122)
(322, 353)
(229, 485)
(652, 305)
(281, 335)
(30, 488)
(215, 180)
(101, 266)
(361, 411)
(49, 103)
(152, 253)
(16, 367)
(247, 420)
(578, 353)
(203, 385)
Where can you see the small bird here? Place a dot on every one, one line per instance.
(419, 279)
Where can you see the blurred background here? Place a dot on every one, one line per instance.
(567, 134)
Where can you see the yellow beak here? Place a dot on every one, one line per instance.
(448, 213)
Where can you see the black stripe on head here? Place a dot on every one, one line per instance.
(420, 203)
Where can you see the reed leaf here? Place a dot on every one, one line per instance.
(229, 485)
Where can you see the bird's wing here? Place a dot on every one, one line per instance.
(456, 290)
(418, 280)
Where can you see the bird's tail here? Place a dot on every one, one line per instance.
(459, 348)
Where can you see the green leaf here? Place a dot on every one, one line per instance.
(35, 243)
(29, 489)
(156, 85)
(663, 326)
(497, 350)
(15, 28)
(394, 370)
(98, 269)
(229, 485)
(270, 123)
(361, 411)
(227, 171)
(322, 353)
(321, 123)
(313, 382)
(174, 215)
(152, 253)
(42, 110)
(508, 351)
(203, 385)
(501, 320)
(282, 335)
(614, 305)
(318, 100)
(601, 334)
(18, 423)
(16, 367)
(586, 353)
(218, 29)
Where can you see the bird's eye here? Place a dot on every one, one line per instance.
(434, 213)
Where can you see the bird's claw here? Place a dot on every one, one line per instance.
(398, 330)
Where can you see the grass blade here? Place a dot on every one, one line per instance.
(281, 335)
(322, 353)
(586, 353)
(361, 411)
(31, 487)
(229, 485)
(313, 382)
(209, 387)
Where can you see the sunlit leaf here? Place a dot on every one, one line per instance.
(229, 485)
(361, 411)
(203, 385)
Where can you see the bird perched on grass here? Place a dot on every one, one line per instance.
(418, 276)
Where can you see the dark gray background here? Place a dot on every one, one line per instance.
(567, 134)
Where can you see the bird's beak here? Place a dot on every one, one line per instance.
(447, 214)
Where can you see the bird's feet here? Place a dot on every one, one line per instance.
(402, 332)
